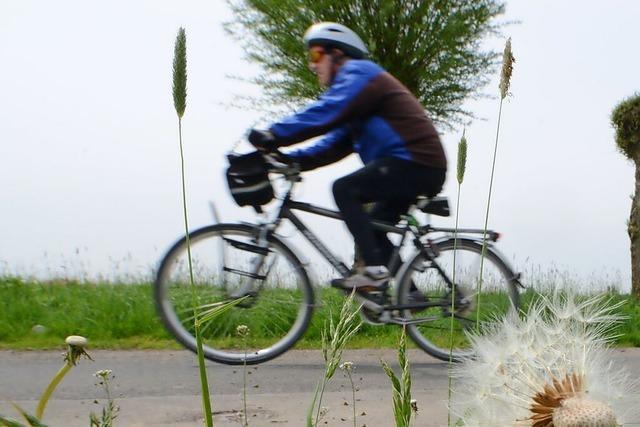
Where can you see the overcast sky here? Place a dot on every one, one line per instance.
(89, 154)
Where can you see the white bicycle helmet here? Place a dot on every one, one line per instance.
(335, 35)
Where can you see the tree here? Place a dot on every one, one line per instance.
(432, 46)
(626, 122)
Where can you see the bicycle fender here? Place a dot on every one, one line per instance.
(490, 247)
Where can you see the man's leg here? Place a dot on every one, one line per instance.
(371, 183)
(389, 211)
(392, 180)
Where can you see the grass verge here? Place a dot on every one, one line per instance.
(117, 316)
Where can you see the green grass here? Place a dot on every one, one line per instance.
(111, 316)
(123, 317)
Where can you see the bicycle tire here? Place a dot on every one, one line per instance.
(498, 295)
(271, 332)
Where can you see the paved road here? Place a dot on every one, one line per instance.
(161, 388)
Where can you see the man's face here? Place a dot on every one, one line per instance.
(320, 63)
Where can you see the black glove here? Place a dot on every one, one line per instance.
(263, 140)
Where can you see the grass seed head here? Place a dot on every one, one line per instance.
(507, 69)
(180, 73)
(462, 158)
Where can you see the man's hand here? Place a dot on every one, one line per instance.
(263, 140)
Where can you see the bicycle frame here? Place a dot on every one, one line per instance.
(411, 229)
(286, 209)
(288, 205)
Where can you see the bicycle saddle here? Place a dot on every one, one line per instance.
(434, 205)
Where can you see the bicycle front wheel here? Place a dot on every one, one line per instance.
(441, 329)
(229, 263)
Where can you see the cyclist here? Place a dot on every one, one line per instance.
(364, 110)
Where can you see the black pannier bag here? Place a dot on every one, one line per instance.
(248, 179)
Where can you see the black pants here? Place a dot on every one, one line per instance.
(393, 184)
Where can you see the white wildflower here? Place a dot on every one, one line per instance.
(347, 366)
(103, 374)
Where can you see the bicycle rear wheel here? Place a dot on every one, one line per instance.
(228, 264)
(435, 330)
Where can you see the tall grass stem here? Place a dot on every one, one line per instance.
(461, 167)
(505, 82)
(180, 103)
(453, 306)
(486, 219)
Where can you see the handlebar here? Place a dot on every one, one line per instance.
(264, 142)
(282, 164)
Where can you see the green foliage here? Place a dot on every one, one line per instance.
(31, 420)
(401, 386)
(432, 46)
(625, 119)
(8, 422)
(335, 337)
(180, 73)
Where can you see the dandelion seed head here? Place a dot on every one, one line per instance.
(76, 341)
(517, 359)
(578, 412)
(76, 348)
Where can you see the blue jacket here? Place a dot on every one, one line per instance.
(367, 111)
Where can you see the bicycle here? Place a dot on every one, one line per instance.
(251, 261)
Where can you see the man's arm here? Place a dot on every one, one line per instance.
(342, 102)
(335, 145)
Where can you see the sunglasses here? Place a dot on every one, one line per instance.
(316, 55)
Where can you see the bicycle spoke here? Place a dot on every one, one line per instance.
(432, 327)
(278, 308)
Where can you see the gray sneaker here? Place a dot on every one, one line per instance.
(362, 281)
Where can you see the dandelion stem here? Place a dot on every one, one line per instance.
(46, 395)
